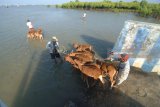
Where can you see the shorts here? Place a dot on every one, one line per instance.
(55, 55)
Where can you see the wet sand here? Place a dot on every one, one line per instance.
(139, 90)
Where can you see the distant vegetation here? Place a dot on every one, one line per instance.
(143, 8)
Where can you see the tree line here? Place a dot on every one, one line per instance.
(143, 8)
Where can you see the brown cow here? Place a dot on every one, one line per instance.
(32, 34)
(38, 34)
(110, 71)
(83, 56)
(90, 70)
(71, 60)
(82, 47)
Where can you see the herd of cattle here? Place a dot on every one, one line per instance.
(35, 34)
(83, 59)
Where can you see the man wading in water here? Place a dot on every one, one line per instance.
(52, 46)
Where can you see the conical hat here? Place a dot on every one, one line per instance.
(54, 38)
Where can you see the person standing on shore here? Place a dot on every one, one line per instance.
(123, 67)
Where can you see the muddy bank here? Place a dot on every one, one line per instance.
(139, 90)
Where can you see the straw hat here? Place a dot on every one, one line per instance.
(54, 38)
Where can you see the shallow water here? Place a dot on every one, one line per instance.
(28, 78)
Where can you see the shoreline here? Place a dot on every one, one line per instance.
(142, 8)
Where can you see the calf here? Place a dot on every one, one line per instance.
(110, 70)
(38, 34)
(83, 56)
(31, 34)
(82, 47)
(90, 70)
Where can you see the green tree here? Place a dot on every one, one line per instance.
(143, 3)
(135, 1)
(143, 8)
(105, 0)
(76, 0)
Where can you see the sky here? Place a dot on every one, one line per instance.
(45, 2)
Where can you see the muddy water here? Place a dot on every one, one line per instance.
(28, 78)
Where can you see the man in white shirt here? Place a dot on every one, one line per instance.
(29, 24)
